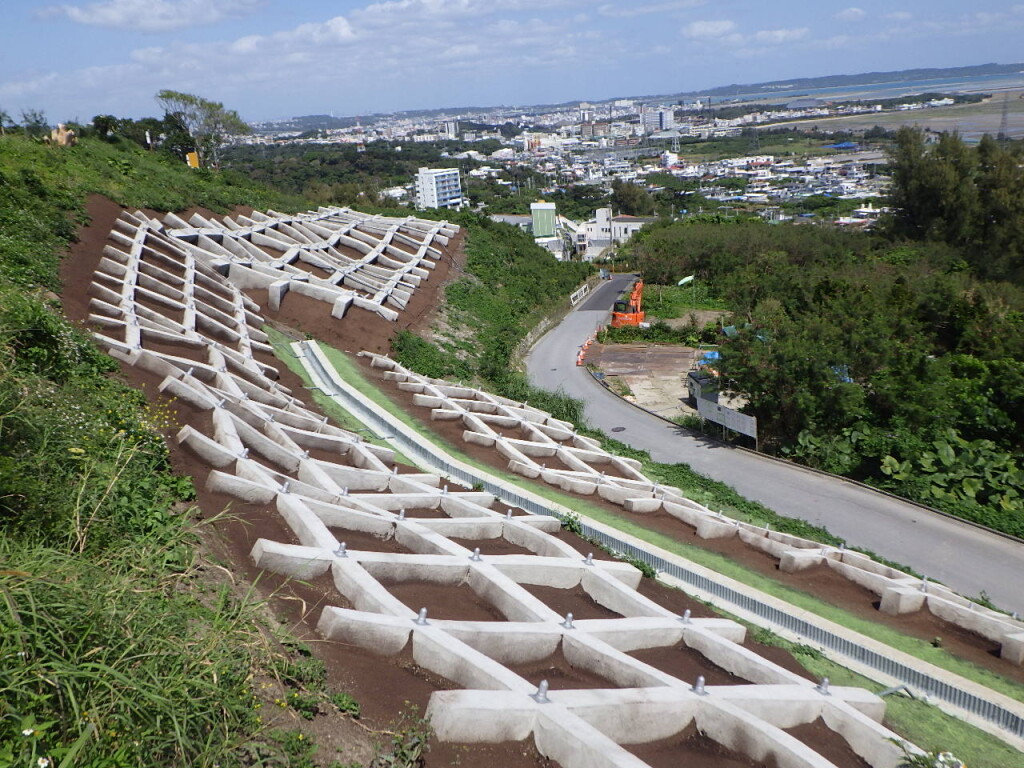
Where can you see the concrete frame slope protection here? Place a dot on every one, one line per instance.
(335, 255)
(579, 465)
(168, 307)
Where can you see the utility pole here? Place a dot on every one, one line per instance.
(1004, 123)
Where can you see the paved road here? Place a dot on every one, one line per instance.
(965, 558)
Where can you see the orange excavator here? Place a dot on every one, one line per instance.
(629, 311)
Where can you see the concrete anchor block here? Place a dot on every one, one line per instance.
(290, 560)
(475, 717)
(794, 560)
(340, 306)
(642, 506)
(898, 600)
(715, 528)
(1012, 648)
(276, 292)
(386, 635)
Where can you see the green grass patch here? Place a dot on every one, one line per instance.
(915, 720)
(339, 415)
(669, 301)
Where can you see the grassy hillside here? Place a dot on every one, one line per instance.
(114, 650)
(509, 283)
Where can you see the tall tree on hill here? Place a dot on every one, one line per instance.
(630, 199)
(970, 198)
(208, 123)
(1001, 193)
(34, 122)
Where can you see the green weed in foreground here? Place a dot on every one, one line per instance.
(122, 663)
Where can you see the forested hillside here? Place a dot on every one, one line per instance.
(345, 173)
(898, 357)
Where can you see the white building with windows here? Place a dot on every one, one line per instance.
(438, 188)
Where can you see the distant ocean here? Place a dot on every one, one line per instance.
(887, 90)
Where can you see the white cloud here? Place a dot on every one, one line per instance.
(411, 51)
(153, 15)
(899, 16)
(851, 14)
(631, 10)
(708, 30)
(780, 36)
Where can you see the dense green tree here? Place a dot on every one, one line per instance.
(971, 198)
(631, 199)
(105, 126)
(851, 348)
(207, 122)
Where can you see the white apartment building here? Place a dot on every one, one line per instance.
(438, 188)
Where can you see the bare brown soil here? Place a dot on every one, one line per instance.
(828, 744)
(453, 602)
(575, 601)
(693, 749)
(560, 674)
(496, 546)
(383, 686)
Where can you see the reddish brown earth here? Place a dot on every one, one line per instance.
(693, 749)
(384, 686)
(560, 674)
(828, 744)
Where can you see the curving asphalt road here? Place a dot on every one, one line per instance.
(968, 559)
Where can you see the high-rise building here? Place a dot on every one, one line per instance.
(657, 119)
(438, 188)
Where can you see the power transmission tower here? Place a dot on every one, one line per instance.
(1004, 123)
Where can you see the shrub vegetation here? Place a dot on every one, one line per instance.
(112, 652)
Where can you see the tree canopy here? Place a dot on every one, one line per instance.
(969, 197)
(883, 359)
(206, 122)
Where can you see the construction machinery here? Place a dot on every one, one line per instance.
(629, 310)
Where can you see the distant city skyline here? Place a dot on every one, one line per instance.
(270, 59)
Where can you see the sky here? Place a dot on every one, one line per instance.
(271, 59)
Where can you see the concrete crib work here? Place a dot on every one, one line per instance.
(165, 305)
(586, 469)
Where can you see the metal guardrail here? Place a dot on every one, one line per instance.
(579, 294)
(920, 681)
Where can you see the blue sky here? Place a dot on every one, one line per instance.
(269, 59)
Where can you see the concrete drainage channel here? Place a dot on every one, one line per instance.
(989, 709)
(169, 305)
